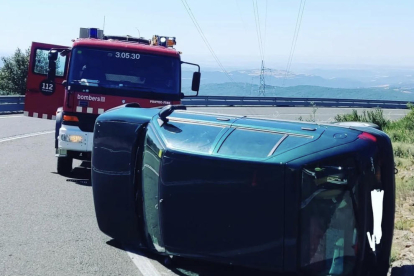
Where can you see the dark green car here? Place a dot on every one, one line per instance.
(294, 197)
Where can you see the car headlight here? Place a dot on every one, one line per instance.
(71, 138)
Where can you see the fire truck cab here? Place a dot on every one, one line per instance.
(74, 85)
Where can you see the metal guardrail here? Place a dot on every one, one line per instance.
(11, 103)
(16, 103)
(293, 102)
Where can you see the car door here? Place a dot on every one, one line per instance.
(44, 97)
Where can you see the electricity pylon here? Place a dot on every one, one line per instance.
(262, 87)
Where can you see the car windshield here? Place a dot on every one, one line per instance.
(328, 221)
(124, 70)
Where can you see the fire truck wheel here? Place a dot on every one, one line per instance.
(64, 165)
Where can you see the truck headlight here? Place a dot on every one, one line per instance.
(71, 138)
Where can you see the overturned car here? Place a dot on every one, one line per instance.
(275, 195)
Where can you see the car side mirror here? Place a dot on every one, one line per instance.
(52, 57)
(195, 86)
(167, 111)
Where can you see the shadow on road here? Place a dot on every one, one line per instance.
(80, 175)
(191, 267)
(115, 243)
(405, 270)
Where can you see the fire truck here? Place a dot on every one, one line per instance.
(74, 85)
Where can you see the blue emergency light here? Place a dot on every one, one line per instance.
(93, 32)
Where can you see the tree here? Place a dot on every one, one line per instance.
(13, 74)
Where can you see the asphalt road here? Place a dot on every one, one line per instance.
(47, 225)
(47, 221)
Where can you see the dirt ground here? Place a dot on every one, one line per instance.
(402, 256)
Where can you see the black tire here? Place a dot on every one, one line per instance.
(64, 165)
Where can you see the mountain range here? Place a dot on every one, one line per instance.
(336, 83)
(307, 91)
(335, 78)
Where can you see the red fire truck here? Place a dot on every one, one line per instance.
(75, 84)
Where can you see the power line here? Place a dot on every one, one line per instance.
(258, 33)
(260, 30)
(293, 41)
(295, 38)
(297, 34)
(200, 31)
(257, 30)
(264, 50)
(262, 86)
(241, 17)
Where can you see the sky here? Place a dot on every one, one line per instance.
(333, 33)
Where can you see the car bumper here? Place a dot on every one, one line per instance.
(65, 145)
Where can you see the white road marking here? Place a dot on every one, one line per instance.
(11, 138)
(280, 114)
(144, 265)
(6, 117)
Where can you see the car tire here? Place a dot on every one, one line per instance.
(64, 165)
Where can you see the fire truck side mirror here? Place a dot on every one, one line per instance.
(195, 86)
(52, 57)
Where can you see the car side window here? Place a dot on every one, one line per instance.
(42, 63)
(190, 137)
(250, 143)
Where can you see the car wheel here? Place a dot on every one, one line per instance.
(64, 165)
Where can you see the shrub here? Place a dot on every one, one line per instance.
(375, 116)
(401, 130)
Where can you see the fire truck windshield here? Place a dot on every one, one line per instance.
(124, 70)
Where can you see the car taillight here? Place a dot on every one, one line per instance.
(367, 136)
(68, 118)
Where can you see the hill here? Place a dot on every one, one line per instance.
(325, 78)
(308, 91)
